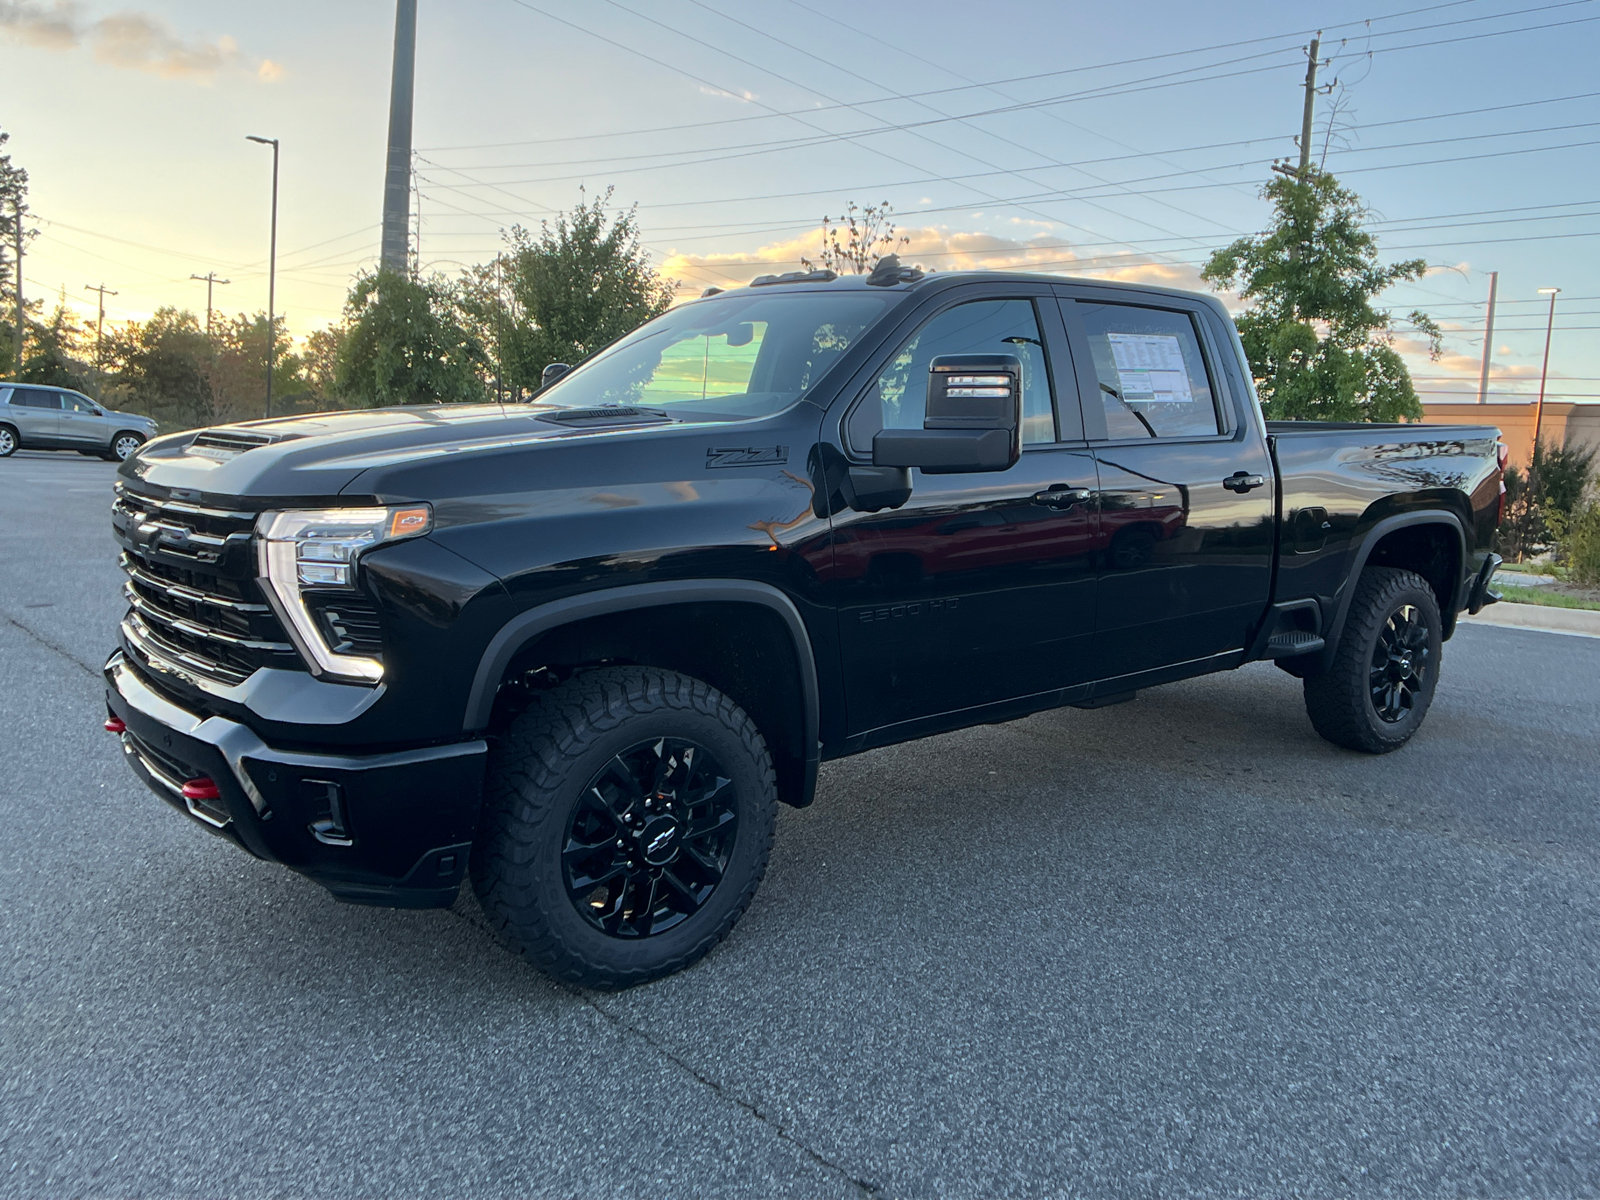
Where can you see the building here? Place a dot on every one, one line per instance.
(1564, 422)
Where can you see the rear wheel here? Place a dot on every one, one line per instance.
(1378, 689)
(628, 818)
(8, 441)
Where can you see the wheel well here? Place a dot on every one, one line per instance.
(744, 651)
(130, 432)
(1433, 551)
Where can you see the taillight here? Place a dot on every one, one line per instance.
(1502, 454)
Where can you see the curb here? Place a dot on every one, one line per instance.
(1576, 622)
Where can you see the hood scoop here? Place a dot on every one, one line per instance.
(220, 445)
(584, 418)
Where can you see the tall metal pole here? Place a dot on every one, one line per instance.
(1544, 374)
(210, 280)
(1488, 341)
(397, 173)
(272, 269)
(1311, 100)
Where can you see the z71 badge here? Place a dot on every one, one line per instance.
(747, 456)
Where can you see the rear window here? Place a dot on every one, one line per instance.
(1152, 373)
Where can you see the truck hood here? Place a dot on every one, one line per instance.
(321, 454)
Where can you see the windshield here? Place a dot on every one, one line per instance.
(743, 355)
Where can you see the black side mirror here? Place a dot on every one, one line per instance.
(973, 419)
(552, 373)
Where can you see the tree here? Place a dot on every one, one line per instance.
(13, 207)
(1318, 347)
(405, 343)
(55, 358)
(164, 368)
(581, 284)
(867, 235)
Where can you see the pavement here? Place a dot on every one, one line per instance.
(1175, 947)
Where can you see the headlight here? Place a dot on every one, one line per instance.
(317, 550)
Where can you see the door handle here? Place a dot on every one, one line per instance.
(1243, 481)
(1061, 496)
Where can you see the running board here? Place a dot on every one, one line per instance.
(1294, 642)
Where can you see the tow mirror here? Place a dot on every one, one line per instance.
(973, 419)
(552, 373)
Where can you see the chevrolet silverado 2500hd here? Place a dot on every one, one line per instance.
(580, 648)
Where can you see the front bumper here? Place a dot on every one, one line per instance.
(401, 823)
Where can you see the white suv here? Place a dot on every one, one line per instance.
(36, 417)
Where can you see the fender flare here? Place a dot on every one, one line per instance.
(522, 629)
(1358, 562)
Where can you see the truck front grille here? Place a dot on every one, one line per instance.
(195, 609)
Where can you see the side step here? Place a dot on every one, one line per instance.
(1297, 641)
(1107, 701)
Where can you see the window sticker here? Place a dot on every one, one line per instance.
(1150, 368)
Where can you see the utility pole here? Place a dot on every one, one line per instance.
(100, 318)
(18, 210)
(210, 280)
(272, 267)
(397, 175)
(1488, 342)
(1311, 101)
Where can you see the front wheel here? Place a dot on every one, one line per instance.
(628, 818)
(1377, 691)
(124, 446)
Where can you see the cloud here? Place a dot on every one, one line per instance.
(943, 249)
(130, 40)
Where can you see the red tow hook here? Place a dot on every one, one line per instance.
(115, 725)
(201, 789)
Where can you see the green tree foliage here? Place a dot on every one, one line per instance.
(13, 207)
(1545, 504)
(406, 343)
(163, 368)
(578, 286)
(55, 349)
(1318, 347)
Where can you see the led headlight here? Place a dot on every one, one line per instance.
(316, 550)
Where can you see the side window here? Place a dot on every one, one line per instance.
(76, 403)
(1153, 376)
(34, 398)
(898, 396)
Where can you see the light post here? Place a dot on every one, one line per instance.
(272, 265)
(1544, 373)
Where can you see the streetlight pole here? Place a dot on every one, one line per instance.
(272, 267)
(1544, 374)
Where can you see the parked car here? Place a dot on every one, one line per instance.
(580, 648)
(35, 416)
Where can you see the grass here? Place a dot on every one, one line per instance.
(1548, 597)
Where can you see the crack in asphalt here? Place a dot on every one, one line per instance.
(864, 1188)
(92, 672)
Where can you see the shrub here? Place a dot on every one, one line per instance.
(1582, 545)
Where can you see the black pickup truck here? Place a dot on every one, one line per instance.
(580, 647)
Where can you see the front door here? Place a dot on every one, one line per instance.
(980, 587)
(81, 422)
(1186, 506)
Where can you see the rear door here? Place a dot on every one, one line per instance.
(980, 588)
(82, 423)
(1185, 494)
(37, 416)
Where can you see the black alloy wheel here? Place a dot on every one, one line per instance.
(1375, 692)
(650, 838)
(1399, 665)
(628, 816)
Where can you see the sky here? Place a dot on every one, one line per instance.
(1120, 141)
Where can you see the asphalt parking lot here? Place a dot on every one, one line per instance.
(1180, 946)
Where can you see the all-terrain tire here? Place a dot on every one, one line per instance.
(1375, 694)
(543, 771)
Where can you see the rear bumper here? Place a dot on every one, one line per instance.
(401, 823)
